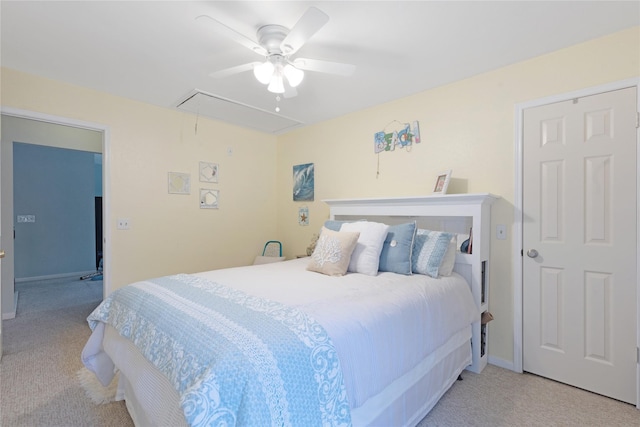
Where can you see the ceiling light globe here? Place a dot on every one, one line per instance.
(276, 85)
(294, 75)
(263, 72)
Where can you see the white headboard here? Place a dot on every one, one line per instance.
(456, 213)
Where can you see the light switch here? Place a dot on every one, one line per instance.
(501, 232)
(26, 218)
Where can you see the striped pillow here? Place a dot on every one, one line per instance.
(429, 249)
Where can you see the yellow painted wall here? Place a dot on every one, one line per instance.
(467, 126)
(169, 233)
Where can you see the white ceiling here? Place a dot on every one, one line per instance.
(156, 52)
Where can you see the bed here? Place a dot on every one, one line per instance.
(282, 344)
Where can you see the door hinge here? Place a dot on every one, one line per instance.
(637, 119)
(637, 355)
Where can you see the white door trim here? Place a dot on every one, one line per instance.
(106, 183)
(518, 219)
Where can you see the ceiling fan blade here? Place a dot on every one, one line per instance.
(309, 24)
(337, 68)
(233, 70)
(232, 34)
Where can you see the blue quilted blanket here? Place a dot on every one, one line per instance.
(234, 359)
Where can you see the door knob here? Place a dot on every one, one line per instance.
(532, 253)
(1, 254)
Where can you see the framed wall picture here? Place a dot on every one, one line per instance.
(303, 215)
(208, 172)
(179, 183)
(303, 182)
(209, 198)
(442, 182)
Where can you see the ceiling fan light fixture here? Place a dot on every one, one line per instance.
(294, 75)
(264, 72)
(277, 84)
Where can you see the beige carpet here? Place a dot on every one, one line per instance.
(499, 397)
(42, 346)
(40, 387)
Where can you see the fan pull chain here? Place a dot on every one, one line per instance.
(277, 103)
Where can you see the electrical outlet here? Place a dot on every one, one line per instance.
(501, 232)
(124, 223)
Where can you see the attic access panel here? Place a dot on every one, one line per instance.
(226, 110)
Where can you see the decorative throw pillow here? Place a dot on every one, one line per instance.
(333, 252)
(366, 255)
(449, 260)
(397, 249)
(429, 250)
(334, 225)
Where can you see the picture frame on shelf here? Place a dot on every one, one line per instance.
(442, 182)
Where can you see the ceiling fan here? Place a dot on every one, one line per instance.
(278, 44)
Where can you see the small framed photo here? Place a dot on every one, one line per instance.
(179, 183)
(209, 198)
(303, 215)
(442, 182)
(208, 172)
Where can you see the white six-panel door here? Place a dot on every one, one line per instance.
(579, 240)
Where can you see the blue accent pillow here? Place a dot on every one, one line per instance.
(429, 250)
(334, 225)
(397, 249)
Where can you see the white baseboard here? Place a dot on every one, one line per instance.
(78, 274)
(501, 363)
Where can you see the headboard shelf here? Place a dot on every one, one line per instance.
(438, 199)
(457, 213)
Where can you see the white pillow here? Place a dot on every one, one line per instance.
(366, 255)
(446, 268)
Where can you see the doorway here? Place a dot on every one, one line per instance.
(578, 309)
(71, 126)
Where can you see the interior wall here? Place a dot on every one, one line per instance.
(34, 132)
(169, 233)
(468, 127)
(56, 187)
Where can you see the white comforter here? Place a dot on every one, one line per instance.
(384, 324)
